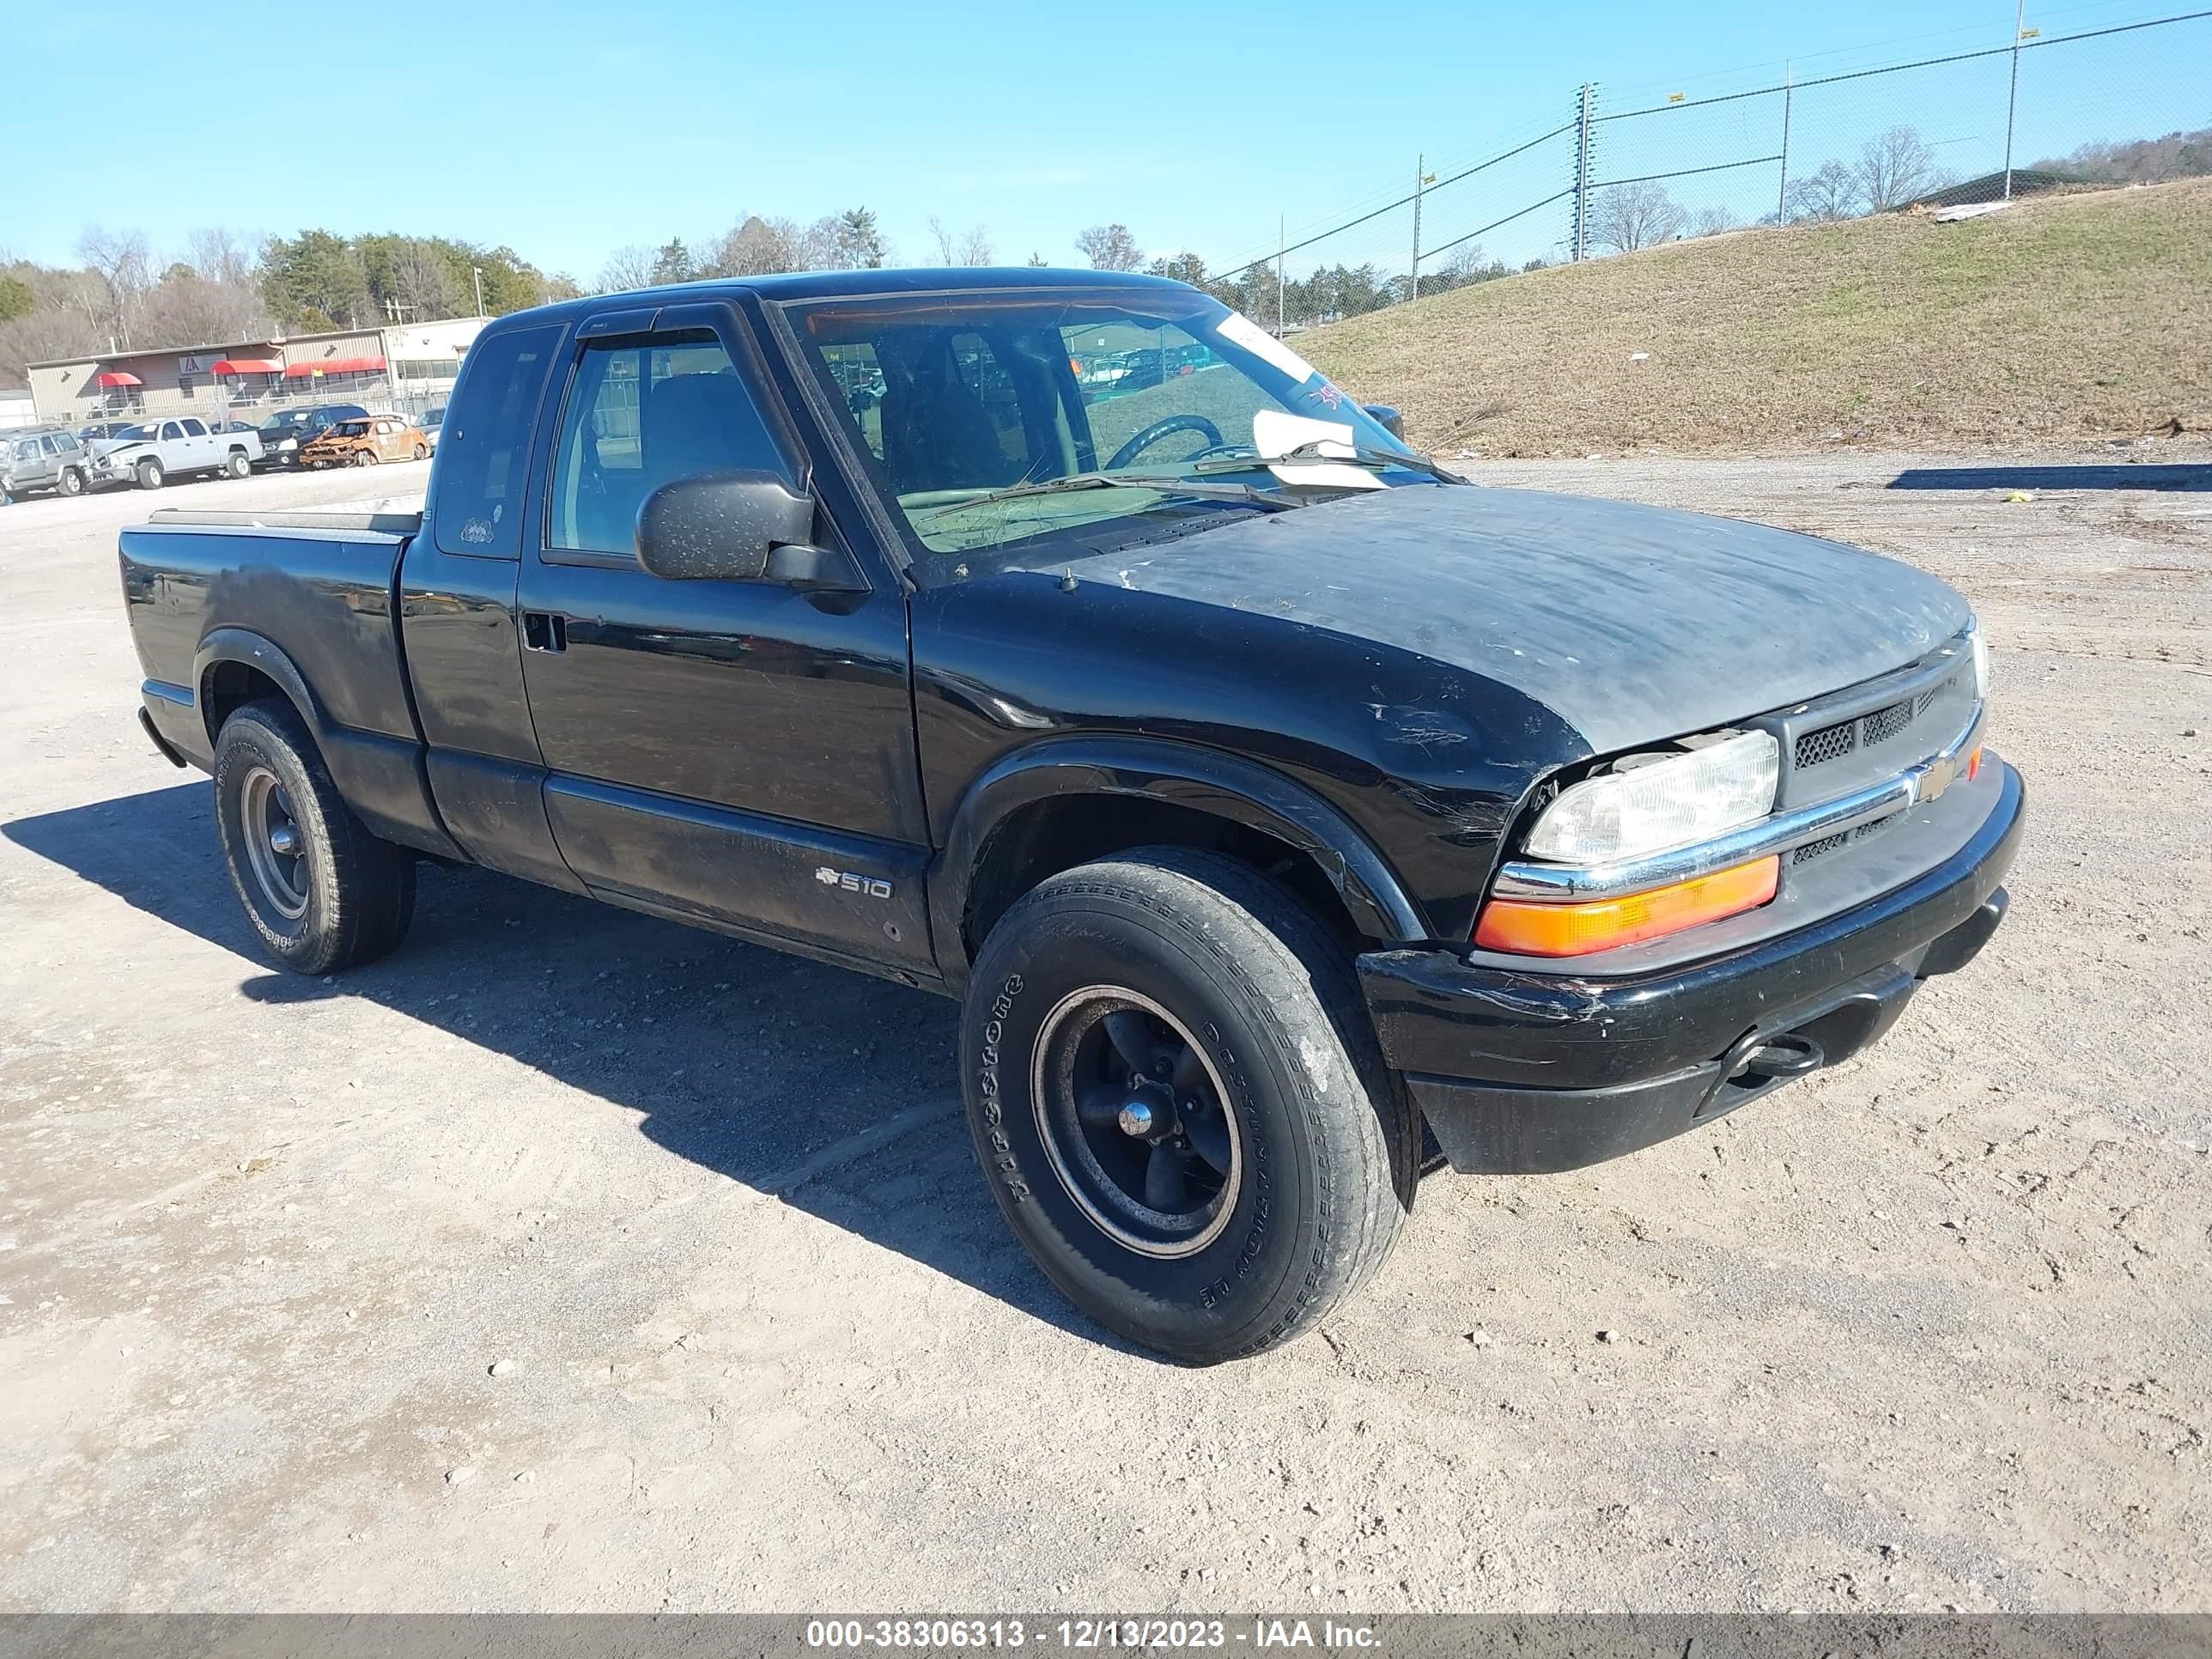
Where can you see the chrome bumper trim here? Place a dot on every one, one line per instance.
(1784, 832)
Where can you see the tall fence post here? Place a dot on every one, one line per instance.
(1583, 168)
(1782, 190)
(2012, 97)
(1279, 275)
(1421, 175)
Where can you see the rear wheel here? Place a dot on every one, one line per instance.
(148, 473)
(422, 452)
(320, 890)
(1179, 1104)
(237, 464)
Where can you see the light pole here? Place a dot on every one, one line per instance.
(476, 273)
(2012, 97)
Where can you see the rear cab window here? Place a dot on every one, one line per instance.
(483, 457)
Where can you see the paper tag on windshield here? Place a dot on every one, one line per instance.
(1240, 330)
(1275, 431)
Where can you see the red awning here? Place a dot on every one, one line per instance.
(335, 365)
(115, 377)
(247, 366)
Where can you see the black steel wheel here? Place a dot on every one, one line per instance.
(1180, 1105)
(1133, 1117)
(319, 889)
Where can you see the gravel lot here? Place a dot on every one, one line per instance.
(1931, 1329)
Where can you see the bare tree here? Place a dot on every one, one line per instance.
(627, 268)
(757, 248)
(942, 239)
(1711, 221)
(971, 247)
(1828, 192)
(118, 258)
(425, 283)
(1110, 248)
(1631, 216)
(1896, 168)
(222, 255)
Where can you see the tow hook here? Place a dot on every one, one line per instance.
(1788, 1054)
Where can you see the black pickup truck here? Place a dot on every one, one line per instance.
(1292, 815)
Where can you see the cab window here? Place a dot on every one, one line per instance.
(194, 429)
(169, 429)
(642, 411)
(485, 451)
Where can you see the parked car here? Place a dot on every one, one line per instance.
(365, 441)
(100, 429)
(284, 432)
(154, 451)
(430, 424)
(43, 458)
(1275, 812)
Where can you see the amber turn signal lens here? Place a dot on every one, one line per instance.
(1974, 766)
(1577, 930)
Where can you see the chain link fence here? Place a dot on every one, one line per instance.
(2090, 107)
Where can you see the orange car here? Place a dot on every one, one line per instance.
(365, 441)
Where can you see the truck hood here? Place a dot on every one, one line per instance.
(1632, 623)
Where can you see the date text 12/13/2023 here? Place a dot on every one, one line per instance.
(1087, 1634)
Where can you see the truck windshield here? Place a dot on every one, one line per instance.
(958, 401)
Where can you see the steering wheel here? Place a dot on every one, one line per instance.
(1159, 429)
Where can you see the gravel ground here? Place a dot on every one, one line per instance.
(570, 1260)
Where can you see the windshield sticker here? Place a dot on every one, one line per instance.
(1276, 432)
(1240, 330)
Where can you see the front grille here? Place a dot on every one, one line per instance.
(1827, 844)
(1886, 723)
(1829, 742)
(1814, 849)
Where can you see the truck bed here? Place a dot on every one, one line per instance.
(228, 606)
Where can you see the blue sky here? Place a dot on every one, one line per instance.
(566, 128)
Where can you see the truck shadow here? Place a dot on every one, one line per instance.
(831, 1091)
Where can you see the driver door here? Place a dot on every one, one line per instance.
(736, 752)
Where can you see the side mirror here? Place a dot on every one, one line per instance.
(1388, 418)
(720, 526)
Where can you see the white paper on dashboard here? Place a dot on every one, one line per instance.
(1275, 431)
(1241, 329)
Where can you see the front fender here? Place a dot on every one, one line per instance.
(1220, 785)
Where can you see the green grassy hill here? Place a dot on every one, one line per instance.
(2081, 316)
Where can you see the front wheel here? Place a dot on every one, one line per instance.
(364, 458)
(149, 472)
(72, 482)
(320, 890)
(1179, 1105)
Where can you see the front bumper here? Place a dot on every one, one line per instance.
(1539, 1071)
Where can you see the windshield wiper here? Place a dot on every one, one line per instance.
(1210, 492)
(1312, 454)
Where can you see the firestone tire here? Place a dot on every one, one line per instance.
(345, 897)
(1300, 1152)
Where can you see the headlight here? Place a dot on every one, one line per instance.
(288, 443)
(1981, 660)
(1651, 803)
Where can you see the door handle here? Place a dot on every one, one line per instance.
(544, 630)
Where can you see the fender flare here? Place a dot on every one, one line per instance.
(1220, 785)
(243, 646)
